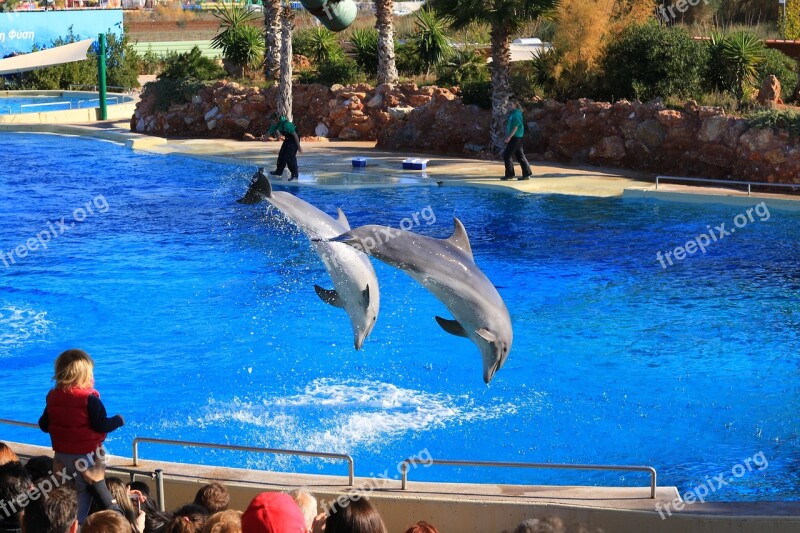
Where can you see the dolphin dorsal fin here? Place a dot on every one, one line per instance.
(343, 219)
(452, 327)
(329, 296)
(459, 238)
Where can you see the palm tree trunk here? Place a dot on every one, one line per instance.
(387, 69)
(501, 83)
(272, 39)
(285, 83)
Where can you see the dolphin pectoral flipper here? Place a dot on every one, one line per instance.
(486, 335)
(343, 219)
(329, 296)
(460, 239)
(451, 326)
(365, 297)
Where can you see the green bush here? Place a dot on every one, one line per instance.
(191, 64)
(365, 49)
(342, 70)
(318, 44)
(241, 42)
(781, 66)
(648, 61)
(407, 59)
(778, 119)
(121, 68)
(149, 62)
(462, 66)
(477, 92)
(171, 91)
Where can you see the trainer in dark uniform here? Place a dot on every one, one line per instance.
(287, 157)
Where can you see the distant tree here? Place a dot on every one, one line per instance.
(384, 23)
(792, 19)
(272, 39)
(505, 17)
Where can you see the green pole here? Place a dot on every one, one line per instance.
(101, 75)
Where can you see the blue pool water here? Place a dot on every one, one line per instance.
(10, 105)
(202, 319)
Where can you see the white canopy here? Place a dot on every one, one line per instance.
(46, 58)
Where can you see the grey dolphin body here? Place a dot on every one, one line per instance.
(356, 286)
(446, 268)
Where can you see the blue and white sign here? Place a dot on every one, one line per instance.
(20, 31)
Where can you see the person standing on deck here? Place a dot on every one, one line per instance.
(291, 145)
(515, 129)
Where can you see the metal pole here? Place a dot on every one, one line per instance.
(101, 74)
(160, 490)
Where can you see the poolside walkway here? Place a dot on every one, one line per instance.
(329, 164)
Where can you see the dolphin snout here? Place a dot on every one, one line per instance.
(489, 372)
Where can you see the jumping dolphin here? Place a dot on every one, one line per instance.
(354, 280)
(447, 269)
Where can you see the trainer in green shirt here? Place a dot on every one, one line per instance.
(516, 124)
(515, 131)
(287, 157)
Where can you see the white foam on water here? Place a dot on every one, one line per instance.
(18, 325)
(343, 416)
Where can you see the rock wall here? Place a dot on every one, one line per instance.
(694, 141)
(229, 110)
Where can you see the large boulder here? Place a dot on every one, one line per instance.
(770, 93)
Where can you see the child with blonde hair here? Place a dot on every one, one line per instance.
(77, 423)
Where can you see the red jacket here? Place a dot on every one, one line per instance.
(70, 430)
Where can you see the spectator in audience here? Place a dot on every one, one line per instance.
(548, 524)
(224, 522)
(14, 486)
(122, 498)
(356, 516)
(7, 455)
(39, 468)
(188, 519)
(307, 504)
(77, 423)
(57, 512)
(422, 527)
(154, 519)
(106, 522)
(214, 497)
(273, 512)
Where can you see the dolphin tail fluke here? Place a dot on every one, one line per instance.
(451, 326)
(329, 296)
(260, 188)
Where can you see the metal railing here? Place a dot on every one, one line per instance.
(231, 447)
(727, 182)
(69, 103)
(157, 475)
(416, 460)
(20, 424)
(94, 87)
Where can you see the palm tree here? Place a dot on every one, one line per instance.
(285, 83)
(505, 17)
(272, 41)
(387, 69)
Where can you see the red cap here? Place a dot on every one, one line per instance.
(273, 512)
